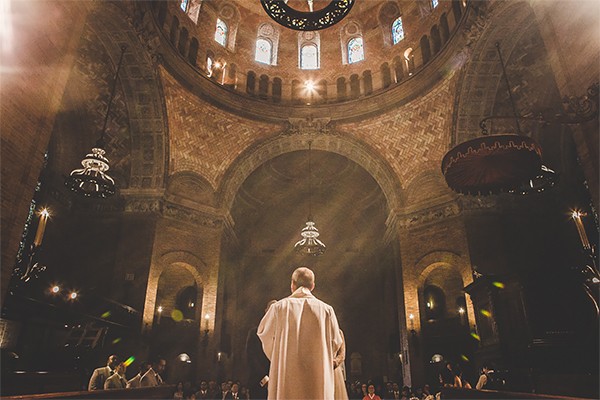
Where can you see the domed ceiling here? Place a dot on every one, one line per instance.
(380, 46)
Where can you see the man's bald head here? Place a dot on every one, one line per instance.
(303, 277)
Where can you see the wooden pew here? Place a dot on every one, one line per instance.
(462, 393)
(159, 392)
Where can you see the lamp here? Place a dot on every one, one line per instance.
(512, 163)
(92, 180)
(311, 20)
(310, 243)
(589, 272)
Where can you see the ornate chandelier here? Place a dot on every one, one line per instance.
(92, 180)
(313, 20)
(310, 243)
(498, 163)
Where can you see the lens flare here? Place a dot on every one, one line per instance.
(129, 361)
(105, 315)
(464, 358)
(475, 336)
(117, 340)
(176, 315)
(498, 284)
(485, 313)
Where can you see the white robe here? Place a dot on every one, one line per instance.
(300, 336)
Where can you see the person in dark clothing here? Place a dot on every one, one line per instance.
(258, 363)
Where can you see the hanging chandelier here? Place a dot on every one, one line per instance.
(310, 243)
(493, 164)
(92, 180)
(312, 20)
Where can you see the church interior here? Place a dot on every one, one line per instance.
(400, 132)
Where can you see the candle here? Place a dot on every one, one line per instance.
(576, 215)
(44, 214)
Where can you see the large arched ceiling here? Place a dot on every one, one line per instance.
(356, 275)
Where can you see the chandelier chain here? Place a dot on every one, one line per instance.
(112, 94)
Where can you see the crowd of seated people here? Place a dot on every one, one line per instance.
(112, 376)
(391, 391)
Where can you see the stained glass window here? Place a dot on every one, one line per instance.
(434, 3)
(397, 30)
(184, 4)
(209, 65)
(221, 33)
(356, 52)
(309, 57)
(263, 51)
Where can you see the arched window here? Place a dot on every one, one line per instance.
(386, 76)
(435, 302)
(296, 91)
(251, 83)
(162, 13)
(425, 49)
(174, 30)
(183, 38)
(397, 30)
(221, 33)
(276, 88)
(267, 40)
(341, 88)
(354, 86)
(390, 22)
(184, 5)
(436, 41)
(409, 58)
(308, 50)
(367, 82)
(231, 81)
(263, 87)
(210, 63)
(309, 57)
(356, 52)
(445, 31)
(398, 70)
(263, 51)
(193, 53)
(322, 91)
(434, 3)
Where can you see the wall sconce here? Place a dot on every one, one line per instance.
(413, 332)
(589, 272)
(206, 330)
(159, 310)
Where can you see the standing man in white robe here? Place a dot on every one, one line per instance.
(300, 336)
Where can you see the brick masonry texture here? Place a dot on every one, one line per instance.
(414, 136)
(203, 138)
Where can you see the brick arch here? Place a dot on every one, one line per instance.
(435, 259)
(140, 83)
(476, 94)
(423, 268)
(187, 260)
(354, 150)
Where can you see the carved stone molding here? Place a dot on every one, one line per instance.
(310, 126)
(428, 216)
(477, 202)
(140, 205)
(196, 217)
